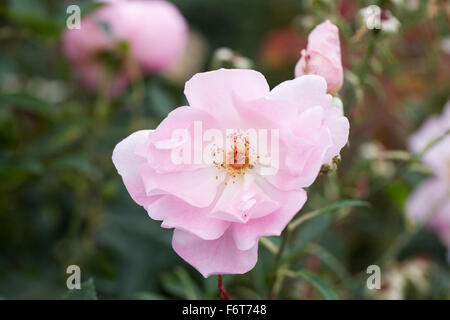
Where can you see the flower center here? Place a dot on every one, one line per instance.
(237, 159)
(238, 155)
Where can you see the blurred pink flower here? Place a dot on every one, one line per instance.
(124, 38)
(430, 202)
(323, 56)
(433, 128)
(219, 210)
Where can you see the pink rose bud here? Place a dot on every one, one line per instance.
(323, 56)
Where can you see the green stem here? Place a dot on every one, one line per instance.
(335, 206)
(278, 256)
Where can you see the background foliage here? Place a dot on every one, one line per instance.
(62, 202)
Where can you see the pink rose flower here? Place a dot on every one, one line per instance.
(430, 202)
(155, 32)
(221, 208)
(323, 56)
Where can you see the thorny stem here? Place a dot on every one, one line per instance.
(223, 294)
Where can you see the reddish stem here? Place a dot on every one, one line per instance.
(222, 291)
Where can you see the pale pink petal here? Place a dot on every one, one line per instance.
(160, 147)
(429, 131)
(127, 163)
(242, 200)
(438, 158)
(304, 92)
(339, 131)
(264, 113)
(426, 197)
(430, 204)
(247, 234)
(211, 257)
(198, 188)
(299, 167)
(309, 124)
(213, 92)
(176, 213)
(433, 128)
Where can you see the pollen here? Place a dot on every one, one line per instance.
(238, 156)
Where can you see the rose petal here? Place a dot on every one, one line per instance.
(213, 92)
(246, 235)
(211, 257)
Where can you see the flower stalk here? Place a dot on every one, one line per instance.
(223, 294)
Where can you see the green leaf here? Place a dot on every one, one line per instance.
(149, 296)
(320, 284)
(339, 205)
(398, 191)
(33, 21)
(161, 101)
(310, 231)
(328, 259)
(13, 174)
(27, 102)
(60, 137)
(87, 292)
(180, 284)
(78, 163)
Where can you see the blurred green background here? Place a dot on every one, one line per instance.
(63, 203)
